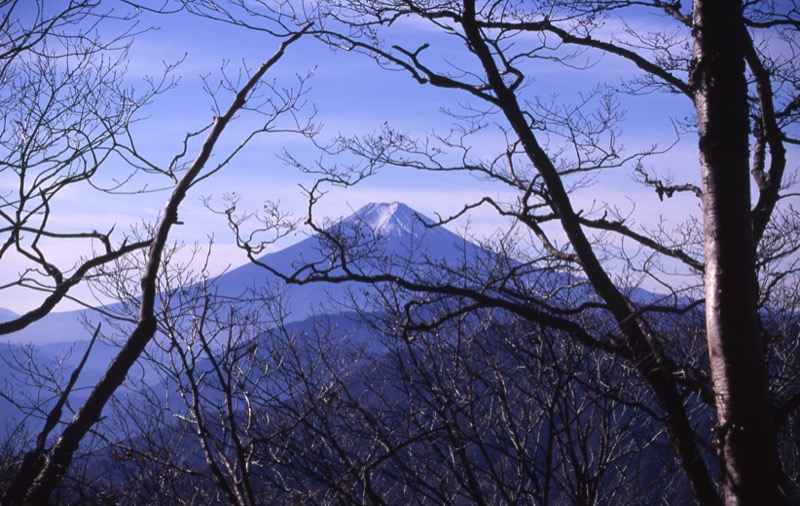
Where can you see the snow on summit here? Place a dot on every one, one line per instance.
(403, 232)
(387, 220)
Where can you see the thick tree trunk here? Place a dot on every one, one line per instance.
(745, 428)
(645, 351)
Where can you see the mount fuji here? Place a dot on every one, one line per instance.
(393, 232)
(396, 234)
(377, 239)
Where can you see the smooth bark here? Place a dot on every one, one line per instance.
(745, 431)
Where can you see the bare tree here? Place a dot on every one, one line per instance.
(745, 427)
(581, 346)
(233, 383)
(474, 412)
(66, 114)
(742, 85)
(34, 484)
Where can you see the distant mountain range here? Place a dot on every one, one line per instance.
(384, 238)
(396, 230)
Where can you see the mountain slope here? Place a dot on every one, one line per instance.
(395, 234)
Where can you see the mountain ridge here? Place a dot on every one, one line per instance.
(395, 230)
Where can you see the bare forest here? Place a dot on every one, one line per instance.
(627, 332)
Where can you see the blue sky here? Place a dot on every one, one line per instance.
(351, 96)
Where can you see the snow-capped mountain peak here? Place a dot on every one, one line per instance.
(388, 220)
(388, 231)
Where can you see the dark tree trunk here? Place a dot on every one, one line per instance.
(643, 348)
(61, 455)
(745, 428)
